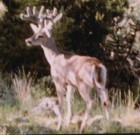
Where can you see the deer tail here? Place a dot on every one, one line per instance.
(100, 76)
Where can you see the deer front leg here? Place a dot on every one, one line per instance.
(68, 98)
(59, 90)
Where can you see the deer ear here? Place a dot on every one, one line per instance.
(34, 27)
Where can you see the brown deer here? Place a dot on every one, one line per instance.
(67, 70)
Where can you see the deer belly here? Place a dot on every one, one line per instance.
(71, 78)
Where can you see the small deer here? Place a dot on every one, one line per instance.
(67, 70)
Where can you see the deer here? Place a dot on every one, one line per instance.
(67, 70)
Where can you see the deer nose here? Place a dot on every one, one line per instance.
(28, 42)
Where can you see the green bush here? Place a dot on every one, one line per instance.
(44, 87)
(7, 93)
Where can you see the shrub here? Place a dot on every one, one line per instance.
(23, 85)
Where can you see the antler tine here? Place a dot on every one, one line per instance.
(54, 11)
(56, 16)
(41, 12)
(31, 15)
(52, 15)
(49, 15)
(34, 11)
(28, 11)
(23, 16)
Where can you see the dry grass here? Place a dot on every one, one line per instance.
(124, 117)
(125, 111)
(23, 85)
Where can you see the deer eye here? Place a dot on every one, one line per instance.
(40, 36)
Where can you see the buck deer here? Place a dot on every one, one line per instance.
(67, 70)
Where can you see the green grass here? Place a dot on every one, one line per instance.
(16, 116)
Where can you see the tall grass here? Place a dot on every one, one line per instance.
(6, 91)
(124, 117)
(23, 85)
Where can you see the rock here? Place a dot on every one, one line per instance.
(49, 104)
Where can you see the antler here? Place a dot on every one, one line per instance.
(52, 16)
(32, 15)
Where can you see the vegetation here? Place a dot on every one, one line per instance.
(121, 47)
(18, 118)
(107, 30)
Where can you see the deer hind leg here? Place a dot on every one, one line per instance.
(84, 92)
(68, 98)
(104, 100)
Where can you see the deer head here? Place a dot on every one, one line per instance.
(44, 24)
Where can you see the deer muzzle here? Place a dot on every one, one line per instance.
(28, 42)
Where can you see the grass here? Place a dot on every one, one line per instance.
(18, 118)
(23, 85)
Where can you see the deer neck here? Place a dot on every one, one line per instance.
(50, 50)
